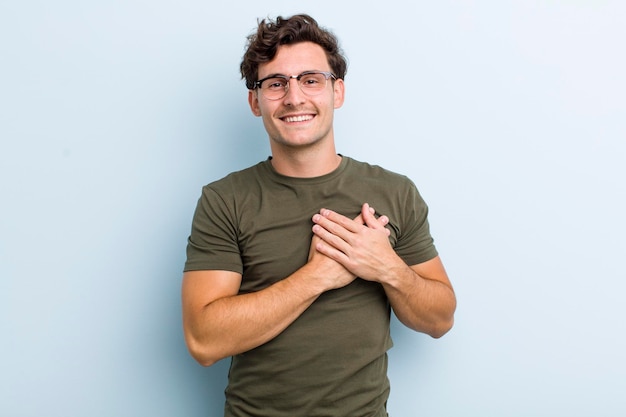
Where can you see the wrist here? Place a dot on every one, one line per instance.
(396, 275)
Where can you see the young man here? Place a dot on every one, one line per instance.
(290, 270)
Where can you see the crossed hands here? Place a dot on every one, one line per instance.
(343, 249)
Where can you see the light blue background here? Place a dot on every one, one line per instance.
(509, 115)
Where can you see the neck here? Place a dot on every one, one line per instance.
(298, 163)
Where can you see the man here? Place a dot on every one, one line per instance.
(289, 269)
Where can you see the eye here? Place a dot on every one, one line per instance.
(310, 80)
(274, 84)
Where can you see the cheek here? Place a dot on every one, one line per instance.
(269, 123)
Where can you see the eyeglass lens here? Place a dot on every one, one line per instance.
(277, 87)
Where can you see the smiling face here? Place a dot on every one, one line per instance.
(298, 120)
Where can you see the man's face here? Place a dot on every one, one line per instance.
(298, 120)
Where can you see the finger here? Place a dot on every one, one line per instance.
(359, 219)
(332, 235)
(332, 252)
(372, 222)
(330, 220)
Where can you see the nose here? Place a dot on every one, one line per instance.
(294, 95)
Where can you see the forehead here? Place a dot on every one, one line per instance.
(294, 59)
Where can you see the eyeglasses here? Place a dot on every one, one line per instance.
(311, 83)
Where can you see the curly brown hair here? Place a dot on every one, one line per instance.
(263, 45)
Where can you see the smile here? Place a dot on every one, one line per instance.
(301, 118)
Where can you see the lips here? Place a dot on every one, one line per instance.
(298, 118)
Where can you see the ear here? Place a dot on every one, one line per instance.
(253, 101)
(339, 89)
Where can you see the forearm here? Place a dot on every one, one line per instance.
(237, 323)
(422, 304)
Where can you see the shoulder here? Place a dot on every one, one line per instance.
(237, 181)
(227, 196)
(367, 171)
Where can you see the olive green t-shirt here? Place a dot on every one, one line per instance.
(332, 360)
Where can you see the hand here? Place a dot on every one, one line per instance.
(336, 275)
(360, 245)
(326, 267)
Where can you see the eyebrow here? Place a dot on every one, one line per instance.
(278, 74)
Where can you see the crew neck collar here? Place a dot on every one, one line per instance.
(267, 165)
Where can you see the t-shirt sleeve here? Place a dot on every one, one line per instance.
(415, 243)
(212, 244)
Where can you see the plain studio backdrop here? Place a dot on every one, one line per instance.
(508, 115)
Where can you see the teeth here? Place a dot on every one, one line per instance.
(298, 118)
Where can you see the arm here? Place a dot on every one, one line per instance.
(421, 295)
(218, 322)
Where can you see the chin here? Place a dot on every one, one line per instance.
(297, 142)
